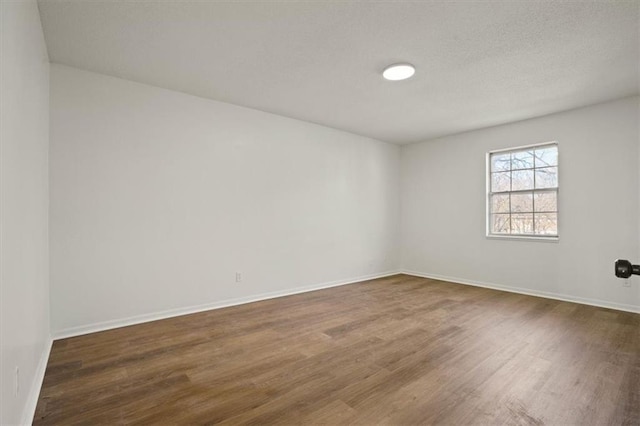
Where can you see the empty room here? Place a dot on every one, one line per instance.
(320, 212)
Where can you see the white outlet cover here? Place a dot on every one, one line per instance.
(17, 380)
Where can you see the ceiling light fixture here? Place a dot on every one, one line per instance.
(397, 72)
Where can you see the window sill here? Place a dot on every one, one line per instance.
(523, 238)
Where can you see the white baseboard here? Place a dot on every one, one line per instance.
(138, 319)
(36, 384)
(529, 292)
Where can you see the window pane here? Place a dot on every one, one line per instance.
(523, 196)
(546, 224)
(500, 182)
(522, 223)
(546, 201)
(500, 224)
(546, 156)
(500, 162)
(547, 177)
(522, 160)
(500, 203)
(522, 202)
(522, 179)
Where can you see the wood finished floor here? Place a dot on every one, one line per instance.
(397, 350)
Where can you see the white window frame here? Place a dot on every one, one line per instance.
(530, 237)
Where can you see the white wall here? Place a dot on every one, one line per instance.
(443, 207)
(24, 282)
(158, 198)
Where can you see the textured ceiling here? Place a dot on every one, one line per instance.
(478, 63)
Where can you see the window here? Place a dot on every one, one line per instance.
(522, 199)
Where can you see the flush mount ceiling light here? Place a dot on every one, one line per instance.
(397, 72)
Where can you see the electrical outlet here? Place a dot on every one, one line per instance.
(238, 277)
(17, 389)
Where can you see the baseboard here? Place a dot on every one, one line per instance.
(36, 384)
(529, 292)
(139, 319)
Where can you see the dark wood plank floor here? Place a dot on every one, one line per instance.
(397, 350)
